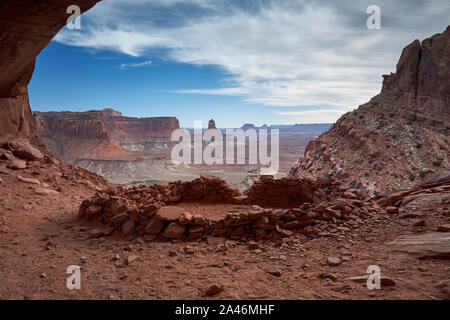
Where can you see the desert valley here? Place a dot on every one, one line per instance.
(98, 189)
(132, 151)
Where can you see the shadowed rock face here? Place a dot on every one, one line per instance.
(401, 135)
(26, 28)
(422, 75)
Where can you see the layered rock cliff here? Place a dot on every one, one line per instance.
(26, 28)
(78, 136)
(422, 78)
(401, 135)
(128, 129)
(96, 134)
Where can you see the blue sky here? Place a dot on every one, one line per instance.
(274, 62)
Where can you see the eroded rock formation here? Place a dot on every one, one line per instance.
(422, 76)
(399, 136)
(99, 134)
(26, 28)
(129, 129)
(212, 124)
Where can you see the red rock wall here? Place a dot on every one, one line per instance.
(95, 134)
(422, 77)
(26, 26)
(103, 124)
(130, 129)
(87, 125)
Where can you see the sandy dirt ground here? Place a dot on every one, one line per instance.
(40, 237)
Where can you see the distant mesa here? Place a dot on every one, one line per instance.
(99, 134)
(212, 124)
(310, 127)
(248, 126)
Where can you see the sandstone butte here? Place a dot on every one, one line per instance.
(97, 135)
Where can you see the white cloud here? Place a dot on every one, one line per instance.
(312, 116)
(136, 65)
(285, 53)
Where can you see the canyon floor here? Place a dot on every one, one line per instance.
(40, 237)
(155, 166)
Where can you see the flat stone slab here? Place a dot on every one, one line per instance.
(429, 245)
(423, 200)
(169, 213)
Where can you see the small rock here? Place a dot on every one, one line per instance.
(213, 289)
(127, 227)
(172, 253)
(185, 218)
(28, 180)
(96, 233)
(123, 276)
(17, 164)
(45, 191)
(108, 230)
(444, 228)
(423, 269)
(189, 250)
(131, 259)
(392, 210)
(420, 223)
(341, 288)
(128, 247)
(385, 281)
(149, 237)
(334, 261)
(115, 258)
(43, 275)
(253, 245)
(273, 270)
(83, 259)
(328, 274)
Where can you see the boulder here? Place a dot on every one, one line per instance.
(127, 227)
(24, 150)
(154, 226)
(169, 213)
(428, 245)
(17, 164)
(174, 231)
